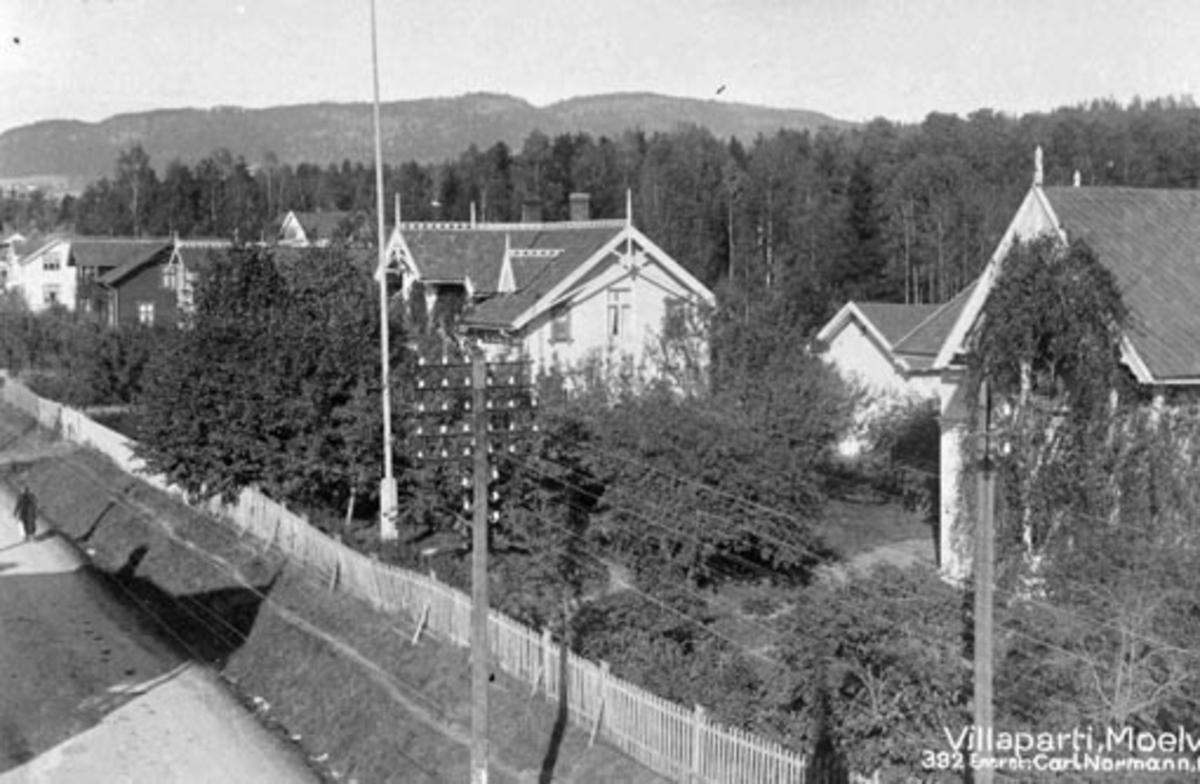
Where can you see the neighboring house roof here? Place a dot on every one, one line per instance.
(920, 346)
(318, 225)
(104, 253)
(194, 254)
(474, 254)
(893, 320)
(1150, 240)
(885, 322)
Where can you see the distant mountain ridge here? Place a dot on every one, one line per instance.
(425, 130)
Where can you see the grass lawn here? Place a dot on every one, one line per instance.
(854, 527)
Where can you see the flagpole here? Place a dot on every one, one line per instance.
(387, 487)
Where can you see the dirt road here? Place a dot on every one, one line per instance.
(87, 694)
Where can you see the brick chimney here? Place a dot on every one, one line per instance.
(581, 206)
(531, 211)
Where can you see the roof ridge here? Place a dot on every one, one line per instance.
(610, 223)
(938, 311)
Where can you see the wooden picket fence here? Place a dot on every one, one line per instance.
(673, 740)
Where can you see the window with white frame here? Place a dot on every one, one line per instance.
(619, 313)
(170, 276)
(51, 294)
(145, 311)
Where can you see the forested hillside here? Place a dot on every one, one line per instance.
(791, 222)
(424, 130)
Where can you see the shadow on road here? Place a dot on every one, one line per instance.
(207, 626)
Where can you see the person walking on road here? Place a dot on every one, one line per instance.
(27, 511)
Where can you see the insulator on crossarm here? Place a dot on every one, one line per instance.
(534, 428)
(442, 430)
(445, 406)
(495, 516)
(466, 451)
(466, 481)
(420, 431)
(420, 383)
(495, 496)
(445, 382)
(466, 428)
(420, 408)
(495, 474)
(466, 506)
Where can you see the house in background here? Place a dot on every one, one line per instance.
(860, 343)
(156, 288)
(65, 270)
(556, 293)
(11, 247)
(316, 229)
(1150, 241)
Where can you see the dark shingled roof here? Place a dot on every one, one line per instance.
(920, 346)
(109, 253)
(894, 320)
(455, 253)
(1150, 241)
(320, 225)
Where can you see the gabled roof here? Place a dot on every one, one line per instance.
(920, 346)
(1150, 240)
(106, 253)
(894, 320)
(462, 252)
(194, 253)
(319, 225)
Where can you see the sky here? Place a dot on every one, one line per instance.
(851, 59)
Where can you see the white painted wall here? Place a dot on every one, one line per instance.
(647, 293)
(32, 278)
(864, 362)
(954, 530)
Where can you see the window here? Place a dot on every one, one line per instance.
(560, 324)
(146, 313)
(619, 313)
(170, 276)
(51, 294)
(50, 263)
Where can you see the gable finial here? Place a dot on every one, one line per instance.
(397, 209)
(1078, 179)
(1037, 167)
(629, 206)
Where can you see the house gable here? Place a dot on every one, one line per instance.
(1149, 239)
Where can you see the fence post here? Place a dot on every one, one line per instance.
(601, 695)
(546, 663)
(698, 721)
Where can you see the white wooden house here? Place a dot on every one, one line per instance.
(65, 269)
(556, 293)
(1149, 239)
(315, 229)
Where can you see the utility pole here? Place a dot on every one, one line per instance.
(984, 583)
(479, 572)
(459, 436)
